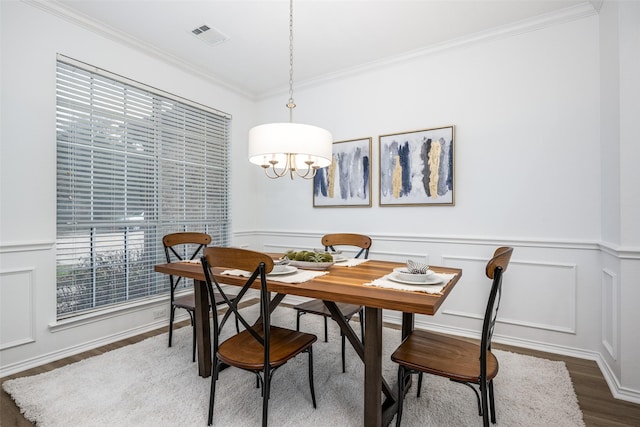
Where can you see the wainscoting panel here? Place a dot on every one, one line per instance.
(535, 294)
(17, 314)
(610, 302)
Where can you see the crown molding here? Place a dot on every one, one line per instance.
(582, 10)
(58, 9)
(572, 13)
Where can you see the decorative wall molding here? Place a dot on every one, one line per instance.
(451, 239)
(610, 304)
(569, 14)
(14, 247)
(20, 316)
(629, 253)
(617, 390)
(543, 21)
(570, 300)
(620, 252)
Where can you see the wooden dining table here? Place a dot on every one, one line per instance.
(341, 285)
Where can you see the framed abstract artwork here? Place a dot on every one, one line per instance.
(416, 168)
(347, 181)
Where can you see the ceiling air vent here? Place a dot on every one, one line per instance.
(209, 35)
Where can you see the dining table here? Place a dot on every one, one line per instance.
(342, 284)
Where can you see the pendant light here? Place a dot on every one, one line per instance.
(292, 149)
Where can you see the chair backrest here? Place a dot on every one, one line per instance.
(348, 239)
(258, 265)
(494, 270)
(183, 246)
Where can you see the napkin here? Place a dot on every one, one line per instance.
(350, 262)
(297, 277)
(385, 282)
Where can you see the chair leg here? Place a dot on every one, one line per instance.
(266, 391)
(419, 384)
(361, 316)
(326, 334)
(193, 328)
(485, 409)
(212, 393)
(313, 392)
(300, 313)
(172, 314)
(492, 404)
(343, 353)
(400, 395)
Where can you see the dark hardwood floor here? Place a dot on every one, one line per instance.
(598, 406)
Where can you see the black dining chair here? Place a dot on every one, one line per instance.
(454, 358)
(260, 348)
(317, 307)
(185, 246)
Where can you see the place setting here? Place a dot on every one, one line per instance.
(414, 277)
(287, 271)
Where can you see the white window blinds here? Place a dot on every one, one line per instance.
(133, 164)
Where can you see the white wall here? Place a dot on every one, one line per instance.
(31, 38)
(527, 130)
(620, 133)
(529, 162)
(528, 173)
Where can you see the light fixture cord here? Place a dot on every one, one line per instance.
(291, 105)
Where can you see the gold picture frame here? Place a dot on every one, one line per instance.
(347, 181)
(417, 168)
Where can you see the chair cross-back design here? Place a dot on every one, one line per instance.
(459, 360)
(260, 348)
(184, 246)
(180, 247)
(317, 307)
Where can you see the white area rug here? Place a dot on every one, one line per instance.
(149, 384)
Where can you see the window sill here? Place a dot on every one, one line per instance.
(107, 313)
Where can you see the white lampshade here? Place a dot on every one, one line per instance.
(274, 141)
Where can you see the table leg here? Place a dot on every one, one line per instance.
(203, 328)
(407, 324)
(371, 355)
(373, 366)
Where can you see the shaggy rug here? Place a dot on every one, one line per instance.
(149, 384)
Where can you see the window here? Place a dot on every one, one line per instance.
(133, 164)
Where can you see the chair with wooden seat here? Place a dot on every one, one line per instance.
(457, 359)
(260, 348)
(317, 307)
(185, 246)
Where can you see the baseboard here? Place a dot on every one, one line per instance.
(617, 390)
(24, 365)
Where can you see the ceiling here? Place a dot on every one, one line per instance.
(330, 37)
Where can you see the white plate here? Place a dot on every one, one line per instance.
(433, 279)
(338, 258)
(307, 265)
(288, 269)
